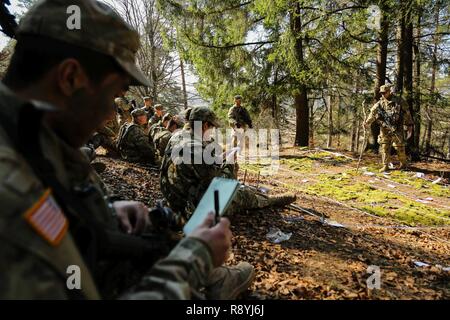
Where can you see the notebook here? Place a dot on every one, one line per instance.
(227, 191)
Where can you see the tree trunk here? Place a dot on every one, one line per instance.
(434, 66)
(382, 50)
(417, 96)
(302, 112)
(300, 95)
(311, 125)
(408, 77)
(330, 121)
(338, 120)
(183, 83)
(400, 55)
(354, 128)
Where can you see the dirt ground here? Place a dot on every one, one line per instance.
(322, 261)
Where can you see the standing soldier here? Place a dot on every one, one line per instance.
(239, 120)
(133, 143)
(391, 112)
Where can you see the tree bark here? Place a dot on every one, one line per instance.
(408, 76)
(183, 83)
(434, 66)
(330, 121)
(382, 50)
(417, 95)
(400, 57)
(300, 95)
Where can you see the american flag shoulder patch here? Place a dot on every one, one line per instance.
(47, 219)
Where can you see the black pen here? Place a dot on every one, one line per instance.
(216, 205)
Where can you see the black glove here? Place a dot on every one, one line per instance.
(238, 125)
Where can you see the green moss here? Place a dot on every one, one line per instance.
(378, 202)
(426, 186)
(299, 164)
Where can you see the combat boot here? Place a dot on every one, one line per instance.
(227, 283)
(281, 200)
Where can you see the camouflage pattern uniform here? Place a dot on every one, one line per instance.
(239, 120)
(106, 137)
(391, 115)
(183, 184)
(34, 266)
(124, 110)
(155, 119)
(133, 143)
(161, 140)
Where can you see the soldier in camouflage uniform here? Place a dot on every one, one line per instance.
(239, 120)
(392, 114)
(106, 137)
(183, 183)
(148, 107)
(54, 208)
(133, 143)
(159, 113)
(124, 110)
(161, 138)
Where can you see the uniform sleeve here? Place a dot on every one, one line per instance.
(185, 269)
(232, 117)
(372, 115)
(25, 276)
(107, 131)
(142, 143)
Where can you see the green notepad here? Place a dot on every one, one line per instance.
(227, 190)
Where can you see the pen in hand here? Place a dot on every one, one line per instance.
(216, 205)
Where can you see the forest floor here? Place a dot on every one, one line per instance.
(345, 221)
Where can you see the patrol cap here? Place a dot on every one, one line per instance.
(385, 88)
(138, 112)
(186, 113)
(101, 30)
(146, 98)
(166, 117)
(238, 97)
(204, 114)
(158, 106)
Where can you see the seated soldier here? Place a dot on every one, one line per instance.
(123, 109)
(133, 143)
(185, 177)
(55, 211)
(157, 127)
(106, 137)
(148, 107)
(159, 113)
(161, 137)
